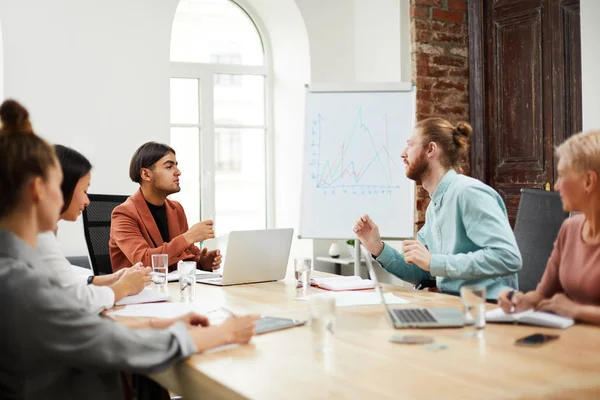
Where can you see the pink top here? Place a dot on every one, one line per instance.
(574, 266)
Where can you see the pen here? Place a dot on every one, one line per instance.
(511, 293)
(228, 311)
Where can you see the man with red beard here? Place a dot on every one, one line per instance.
(467, 238)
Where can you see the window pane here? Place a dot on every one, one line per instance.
(184, 101)
(239, 99)
(185, 142)
(240, 187)
(215, 31)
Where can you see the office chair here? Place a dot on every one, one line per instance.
(96, 226)
(539, 218)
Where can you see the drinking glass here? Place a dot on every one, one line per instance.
(159, 270)
(473, 300)
(187, 280)
(322, 320)
(302, 272)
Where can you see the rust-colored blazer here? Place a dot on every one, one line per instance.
(135, 237)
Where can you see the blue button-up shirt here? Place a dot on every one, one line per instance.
(471, 242)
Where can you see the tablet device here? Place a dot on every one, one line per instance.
(270, 324)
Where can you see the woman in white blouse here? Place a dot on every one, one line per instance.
(94, 293)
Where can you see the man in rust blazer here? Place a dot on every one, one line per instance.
(148, 223)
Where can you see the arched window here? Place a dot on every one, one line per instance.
(219, 129)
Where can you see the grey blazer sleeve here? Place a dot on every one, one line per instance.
(92, 342)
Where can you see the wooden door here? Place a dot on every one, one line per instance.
(525, 90)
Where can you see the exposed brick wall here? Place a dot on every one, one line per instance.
(439, 36)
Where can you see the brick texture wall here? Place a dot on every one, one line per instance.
(439, 36)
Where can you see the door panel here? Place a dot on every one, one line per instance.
(525, 63)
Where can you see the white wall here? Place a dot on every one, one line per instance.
(94, 75)
(590, 63)
(356, 40)
(330, 27)
(377, 40)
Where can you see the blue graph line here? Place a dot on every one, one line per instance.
(351, 168)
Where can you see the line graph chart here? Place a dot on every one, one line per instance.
(351, 162)
(353, 153)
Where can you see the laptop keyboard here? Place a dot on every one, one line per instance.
(413, 315)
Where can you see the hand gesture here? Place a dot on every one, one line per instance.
(559, 304)
(368, 234)
(209, 260)
(133, 280)
(199, 232)
(111, 279)
(190, 320)
(415, 252)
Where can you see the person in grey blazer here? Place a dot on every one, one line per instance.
(52, 348)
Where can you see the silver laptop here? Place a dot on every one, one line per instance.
(254, 256)
(433, 317)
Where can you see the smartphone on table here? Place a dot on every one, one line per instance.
(537, 339)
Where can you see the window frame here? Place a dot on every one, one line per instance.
(204, 73)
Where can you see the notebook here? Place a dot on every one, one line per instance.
(338, 283)
(530, 317)
(145, 296)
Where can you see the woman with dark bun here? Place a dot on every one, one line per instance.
(466, 238)
(14, 118)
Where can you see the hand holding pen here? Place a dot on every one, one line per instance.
(238, 329)
(512, 301)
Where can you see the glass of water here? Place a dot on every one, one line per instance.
(187, 280)
(473, 300)
(302, 272)
(159, 270)
(322, 321)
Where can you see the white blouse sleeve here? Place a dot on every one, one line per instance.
(93, 299)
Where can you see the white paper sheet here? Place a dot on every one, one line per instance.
(145, 296)
(359, 298)
(161, 310)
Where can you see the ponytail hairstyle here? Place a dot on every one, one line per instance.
(22, 158)
(14, 118)
(452, 140)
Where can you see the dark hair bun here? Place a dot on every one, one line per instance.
(462, 133)
(14, 117)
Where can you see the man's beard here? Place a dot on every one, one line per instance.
(167, 191)
(418, 169)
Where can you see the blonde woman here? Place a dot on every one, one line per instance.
(571, 284)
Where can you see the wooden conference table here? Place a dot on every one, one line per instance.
(365, 365)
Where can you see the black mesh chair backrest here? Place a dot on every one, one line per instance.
(96, 225)
(539, 218)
